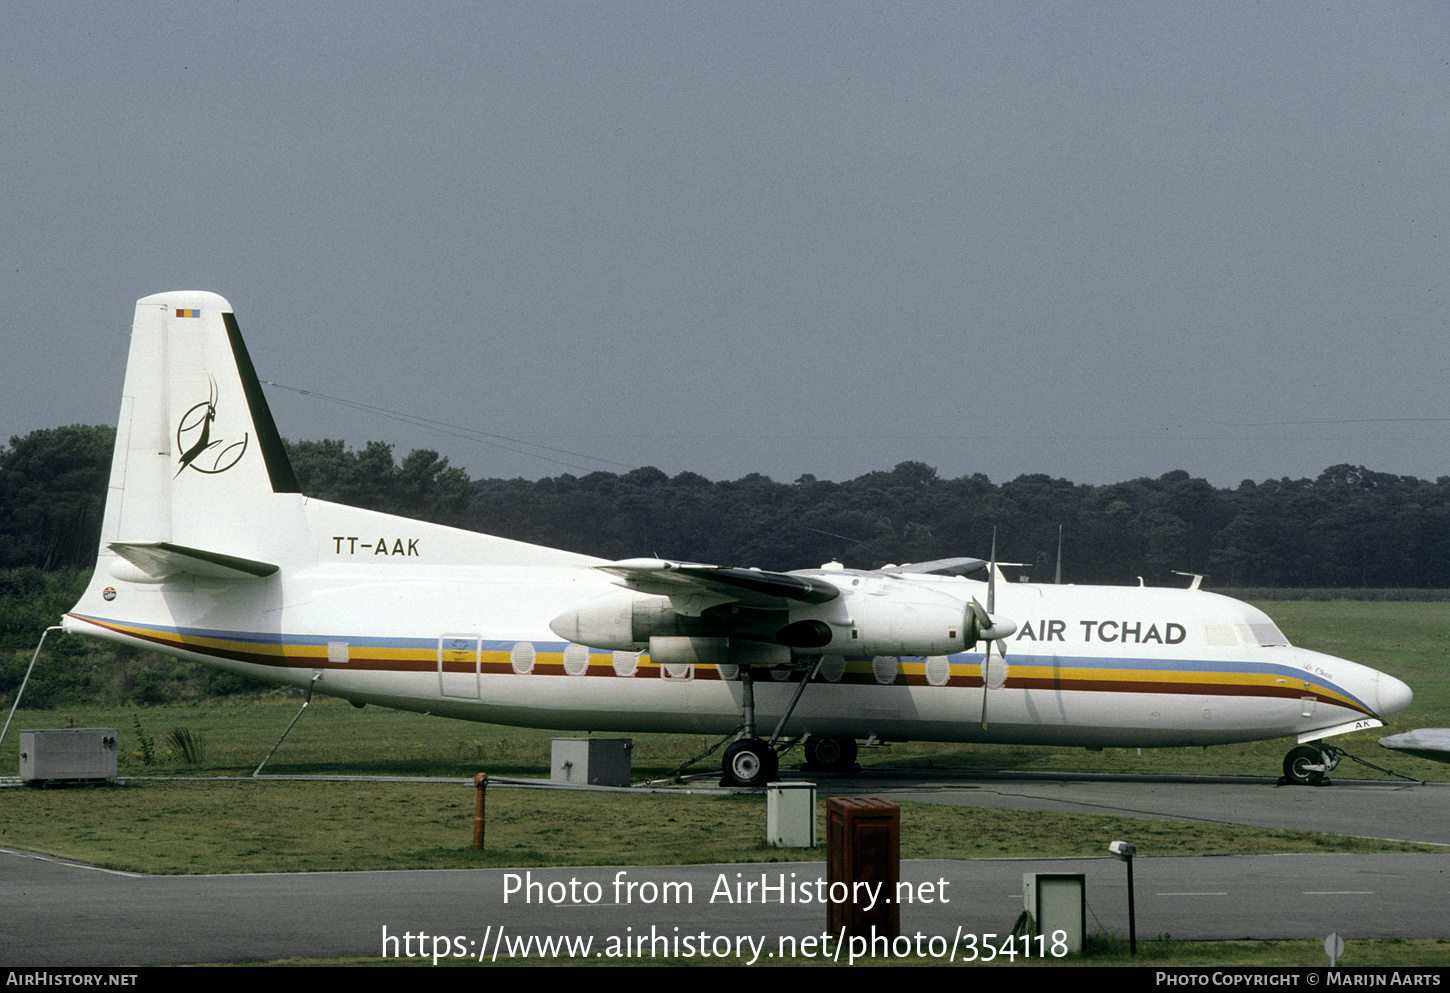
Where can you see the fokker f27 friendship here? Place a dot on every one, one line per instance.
(211, 552)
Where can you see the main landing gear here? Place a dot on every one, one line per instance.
(750, 761)
(831, 754)
(1307, 764)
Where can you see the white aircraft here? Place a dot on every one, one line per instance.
(210, 552)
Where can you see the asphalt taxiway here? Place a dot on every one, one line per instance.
(1397, 810)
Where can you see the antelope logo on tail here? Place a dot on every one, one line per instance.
(195, 427)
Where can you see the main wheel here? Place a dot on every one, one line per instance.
(832, 754)
(1297, 763)
(750, 762)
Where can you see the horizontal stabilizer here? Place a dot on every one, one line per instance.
(938, 567)
(160, 559)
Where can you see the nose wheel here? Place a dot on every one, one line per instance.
(1308, 764)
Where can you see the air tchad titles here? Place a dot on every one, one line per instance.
(1136, 632)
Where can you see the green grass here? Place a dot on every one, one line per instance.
(333, 737)
(247, 825)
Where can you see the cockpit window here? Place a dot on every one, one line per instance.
(1266, 633)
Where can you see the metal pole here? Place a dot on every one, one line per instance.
(801, 688)
(316, 675)
(480, 783)
(1132, 915)
(16, 704)
(1124, 852)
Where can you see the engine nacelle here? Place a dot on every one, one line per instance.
(883, 616)
(620, 621)
(897, 618)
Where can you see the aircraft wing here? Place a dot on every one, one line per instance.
(695, 586)
(806, 610)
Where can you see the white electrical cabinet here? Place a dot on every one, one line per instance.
(68, 754)
(1057, 901)
(591, 761)
(790, 815)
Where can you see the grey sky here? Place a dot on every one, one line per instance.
(1097, 241)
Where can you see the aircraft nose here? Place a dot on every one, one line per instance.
(1391, 695)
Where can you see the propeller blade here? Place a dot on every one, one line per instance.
(992, 577)
(985, 626)
(986, 667)
(982, 617)
(994, 675)
(1058, 580)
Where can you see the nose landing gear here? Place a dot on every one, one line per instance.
(1307, 765)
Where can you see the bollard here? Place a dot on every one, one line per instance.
(480, 783)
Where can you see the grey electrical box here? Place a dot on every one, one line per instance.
(591, 761)
(790, 815)
(1057, 901)
(68, 754)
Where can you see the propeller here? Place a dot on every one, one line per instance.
(982, 625)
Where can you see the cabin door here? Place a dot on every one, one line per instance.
(459, 656)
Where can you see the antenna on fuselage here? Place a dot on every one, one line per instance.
(1197, 578)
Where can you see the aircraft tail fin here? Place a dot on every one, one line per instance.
(201, 487)
(195, 441)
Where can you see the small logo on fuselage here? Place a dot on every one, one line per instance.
(194, 440)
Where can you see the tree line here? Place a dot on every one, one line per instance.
(1350, 527)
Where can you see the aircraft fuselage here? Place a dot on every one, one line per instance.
(1087, 666)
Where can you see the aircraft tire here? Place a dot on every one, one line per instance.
(750, 762)
(1296, 766)
(832, 754)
